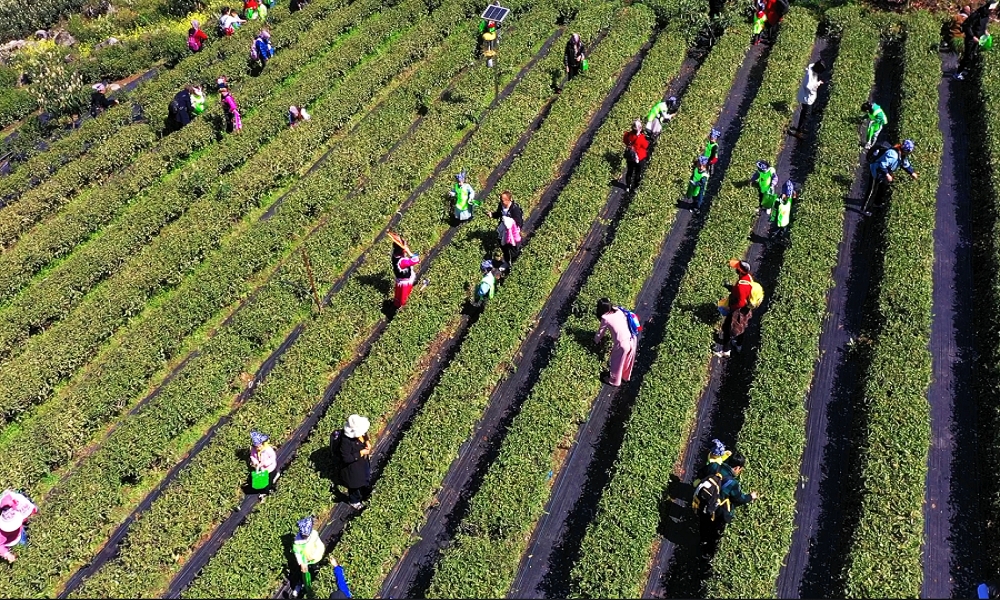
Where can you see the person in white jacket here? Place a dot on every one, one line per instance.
(807, 94)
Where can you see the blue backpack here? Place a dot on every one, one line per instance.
(634, 326)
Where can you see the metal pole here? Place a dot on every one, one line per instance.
(312, 280)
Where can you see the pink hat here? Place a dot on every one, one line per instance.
(14, 511)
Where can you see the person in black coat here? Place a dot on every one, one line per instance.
(974, 28)
(180, 108)
(573, 56)
(355, 459)
(509, 208)
(99, 101)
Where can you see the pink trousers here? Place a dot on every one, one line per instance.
(622, 360)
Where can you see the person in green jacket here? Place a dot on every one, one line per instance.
(661, 113)
(764, 179)
(712, 150)
(782, 214)
(308, 549)
(465, 198)
(698, 184)
(487, 285)
(876, 121)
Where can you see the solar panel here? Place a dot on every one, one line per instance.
(495, 12)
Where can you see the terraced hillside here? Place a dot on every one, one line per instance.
(164, 292)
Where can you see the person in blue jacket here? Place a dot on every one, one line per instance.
(882, 168)
(265, 49)
(342, 590)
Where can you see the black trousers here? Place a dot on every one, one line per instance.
(878, 193)
(510, 253)
(633, 173)
(574, 70)
(803, 115)
(970, 50)
(711, 532)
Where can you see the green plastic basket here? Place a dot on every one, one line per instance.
(260, 479)
(986, 42)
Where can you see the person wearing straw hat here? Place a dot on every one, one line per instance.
(263, 457)
(308, 549)
(15, 510)
(403, 261)
(99, 101)
(355, 459)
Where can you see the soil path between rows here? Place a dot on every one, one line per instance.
(950, 511)
(678, 569)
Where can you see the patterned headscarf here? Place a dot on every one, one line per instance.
(718, 448)
(306, 526)
(257, 438)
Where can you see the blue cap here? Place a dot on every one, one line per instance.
(703, 160)
(789, 188)
(460, 177)
(908, 145)
(486, 265)
(714, 134)
(763, 165)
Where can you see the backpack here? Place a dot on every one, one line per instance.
(254, 54)
(335, 439)
(756, 294)
(173, 108)
(876, 151)
(708, 494)
(781, 7)
(634, 326)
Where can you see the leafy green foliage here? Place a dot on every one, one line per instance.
(885, 549)
(615, 551)
(484, 558)
(756, 544)
(382, 380)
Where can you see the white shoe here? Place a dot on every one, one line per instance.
(357, 505)
(721, 353)
(767, 212)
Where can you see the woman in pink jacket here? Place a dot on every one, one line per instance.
(623, 350)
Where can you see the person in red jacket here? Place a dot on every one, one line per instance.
(739, 309)
(774, 11)
(636, 146)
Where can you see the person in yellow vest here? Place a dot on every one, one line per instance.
(781, 216)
